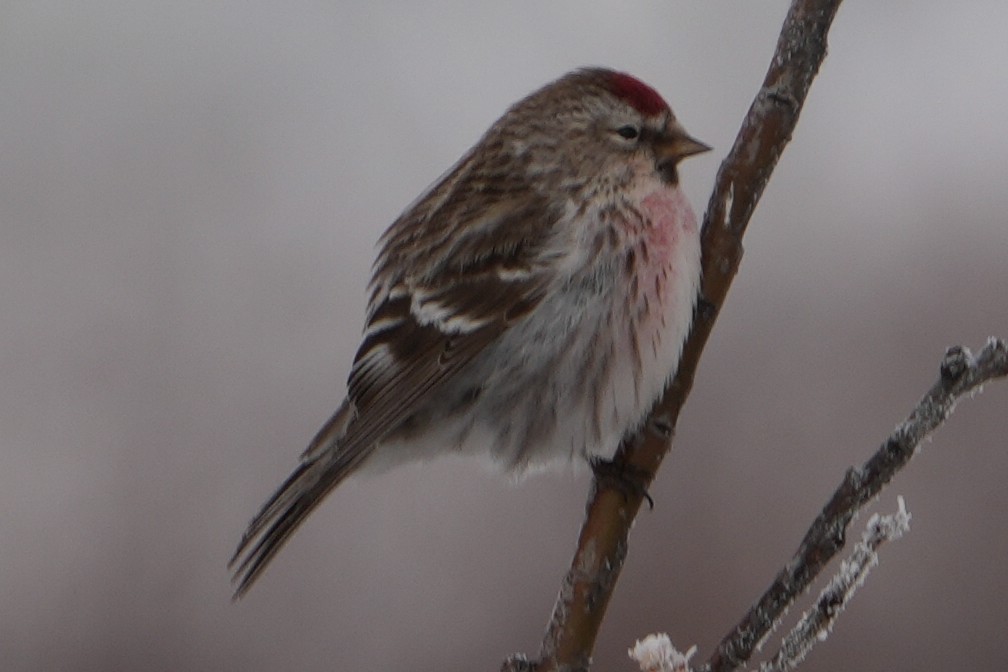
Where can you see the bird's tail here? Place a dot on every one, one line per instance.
(323, 466)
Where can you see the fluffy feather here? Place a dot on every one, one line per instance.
(531, 305)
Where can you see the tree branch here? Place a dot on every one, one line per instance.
(816, 623)
(766, 130)
(960, 374)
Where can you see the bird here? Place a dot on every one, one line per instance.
(530, 306)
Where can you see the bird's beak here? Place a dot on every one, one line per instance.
(676, 144)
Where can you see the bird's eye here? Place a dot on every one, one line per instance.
(628, 132)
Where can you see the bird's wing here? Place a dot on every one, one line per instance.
(448, 282)
(425, 327)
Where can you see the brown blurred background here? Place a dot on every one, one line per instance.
(189, 197)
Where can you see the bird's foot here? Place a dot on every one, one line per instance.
(625, 478)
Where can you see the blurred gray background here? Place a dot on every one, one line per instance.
(189, 198)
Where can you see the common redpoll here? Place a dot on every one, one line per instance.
(530, 306)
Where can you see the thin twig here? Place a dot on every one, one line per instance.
(960, 374)
(815, 624)
(585, 592)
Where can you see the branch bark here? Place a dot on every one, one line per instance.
(816, 623)
(766, 130)
(960, 374)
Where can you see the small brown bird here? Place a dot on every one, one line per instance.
(531, 306)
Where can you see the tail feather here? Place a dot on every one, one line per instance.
(323, 466)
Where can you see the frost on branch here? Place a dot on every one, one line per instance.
(816, 624)
(655, 653)
(960, 373)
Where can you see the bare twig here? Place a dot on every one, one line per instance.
(961, 374)
(655, 653)
(816, 624)
(766, 130)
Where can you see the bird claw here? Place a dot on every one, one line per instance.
(623, 477)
